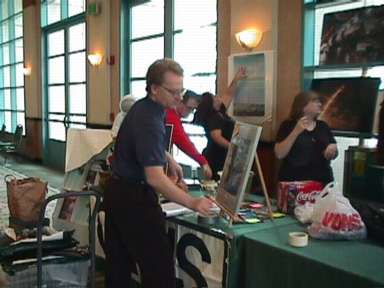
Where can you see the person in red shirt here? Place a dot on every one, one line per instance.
(179, 137)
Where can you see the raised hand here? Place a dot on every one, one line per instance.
(302, 124)
(240, 74)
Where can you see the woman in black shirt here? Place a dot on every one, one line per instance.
(305, 143)
(218, 125)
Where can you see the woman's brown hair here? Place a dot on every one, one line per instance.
(205, 109)
(301, 100)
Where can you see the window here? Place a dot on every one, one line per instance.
(12, 109)
(190, 37)
(314, 14)
(146, 42)
(53, 11)
(65, 66)
(194, 32)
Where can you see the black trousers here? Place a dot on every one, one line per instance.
(135, 233)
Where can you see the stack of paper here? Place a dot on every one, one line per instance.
(173, 209)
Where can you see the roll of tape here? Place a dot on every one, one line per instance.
(208, 220)
(298, 239)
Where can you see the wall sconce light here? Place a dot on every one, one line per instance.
(249, 39)
(27, 71)
(95, 59)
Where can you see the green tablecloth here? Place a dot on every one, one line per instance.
(222, 228)
(269, 261)
(234, 235)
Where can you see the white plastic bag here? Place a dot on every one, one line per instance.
(305, 203)
(334, 217)
(304, 212)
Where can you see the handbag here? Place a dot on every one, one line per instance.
(25, 199)
(373, 217)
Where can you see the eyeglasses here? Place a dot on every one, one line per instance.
(173, 92)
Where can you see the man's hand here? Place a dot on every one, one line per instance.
(182, 185)
(330, 152)
(202, 205)
(175, 171)
(207, 171)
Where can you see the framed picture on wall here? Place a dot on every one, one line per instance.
(348, 103)
(353, 37)
(254, 97)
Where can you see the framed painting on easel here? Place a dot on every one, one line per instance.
(237, 167)
(238, 163)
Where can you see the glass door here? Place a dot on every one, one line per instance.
(65, 88)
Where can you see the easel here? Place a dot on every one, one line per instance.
(225, 212)
(261, 175)
(236, 217)
(263, 186)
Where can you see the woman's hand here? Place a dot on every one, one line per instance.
(230, 92)
(240, 74)
(302, 124)
(282, 148)
(330, 152)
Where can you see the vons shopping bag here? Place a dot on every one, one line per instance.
(25, 198)
(334, 217)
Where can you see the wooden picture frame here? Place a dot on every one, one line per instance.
(237, 166)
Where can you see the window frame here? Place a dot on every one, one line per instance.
(12, 64)
(64, 12)
(309, 41)
(64, 25)
(310, 68)
(169, 34)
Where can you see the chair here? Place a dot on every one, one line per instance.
(14, 144)
(92, 233)
(3, 133)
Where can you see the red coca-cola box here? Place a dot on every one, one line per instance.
(293, 193)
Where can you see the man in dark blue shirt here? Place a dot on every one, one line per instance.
(135, 225)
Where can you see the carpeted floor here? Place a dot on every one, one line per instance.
(21, 167)
(34, 169)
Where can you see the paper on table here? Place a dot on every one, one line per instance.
(33, 260)
(56, 236)
(173, 209)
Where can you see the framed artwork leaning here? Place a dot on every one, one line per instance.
(237, 166)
